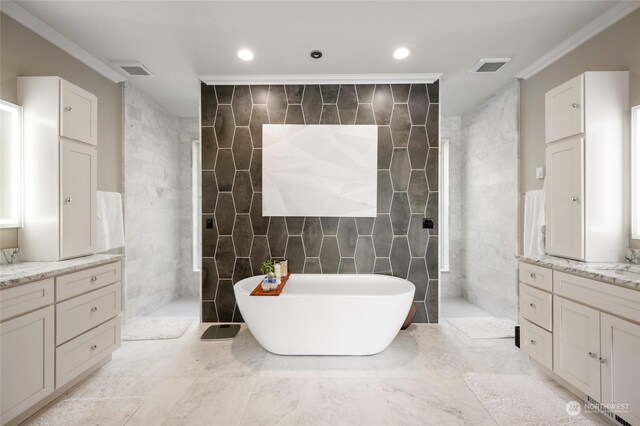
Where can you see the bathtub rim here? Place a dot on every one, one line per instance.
(238, 288)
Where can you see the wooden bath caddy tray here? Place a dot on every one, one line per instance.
(258, 291)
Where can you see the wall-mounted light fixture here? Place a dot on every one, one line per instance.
(10, 165)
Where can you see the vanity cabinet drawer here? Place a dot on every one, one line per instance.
(536, 276)
(537, 343)
(535, 306)
(619, 301)
(24, 298)
(79, 354)
(75, 316)
(71, 285)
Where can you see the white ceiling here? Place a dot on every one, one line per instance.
(181, 40)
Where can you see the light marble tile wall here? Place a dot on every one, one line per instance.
(450, 282)
(152, 203)
(188, 284)
(489, 203)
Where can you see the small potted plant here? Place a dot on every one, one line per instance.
(269, 282)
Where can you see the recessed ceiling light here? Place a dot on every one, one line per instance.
(316, 54)
(245, 54)
(401, 52)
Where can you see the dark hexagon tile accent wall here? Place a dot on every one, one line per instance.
(277, 104)
(224, 126)
(242, 148)
(242, 235)
(400, 125)
(209, 148)
(242, 193)
(225, 170)
(312, 266)
(329, 255)
(241, 105)
(312, 236)
(347, 104)
(400, 92)
(329, 115)
(329, 93)
(393, 243)
(382, 104)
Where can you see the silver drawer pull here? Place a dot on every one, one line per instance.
(592, 355)
(94, 347)
(94, 309)
(574, 199)
(94, 279)
(68, 109)
(533, 342)
(532, 305)
(574, 105)
(68, 200)
(533, 275)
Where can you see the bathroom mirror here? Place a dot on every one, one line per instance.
(10, 165)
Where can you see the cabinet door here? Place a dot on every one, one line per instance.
(620, 365)
(564, 110)
(565, 198)
(78, 204)
(576, 345)
(26, 372)
(78, 114)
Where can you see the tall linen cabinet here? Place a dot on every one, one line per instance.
(60, 169)
(587, 191)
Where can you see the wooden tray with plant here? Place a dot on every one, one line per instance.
(267, 269)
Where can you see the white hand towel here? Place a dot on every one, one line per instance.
(109, 226)
(534, 223)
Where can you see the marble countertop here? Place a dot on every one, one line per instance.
(24, 272)
(621, 274)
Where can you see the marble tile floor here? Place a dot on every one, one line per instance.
(418, 380)
(457, 307)
(181, 307)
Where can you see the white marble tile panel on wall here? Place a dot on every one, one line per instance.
(489, 195)
(450, 281)
(189, 285)
(152, 203)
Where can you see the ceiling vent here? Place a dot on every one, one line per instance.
(489, 65)
(133, 68)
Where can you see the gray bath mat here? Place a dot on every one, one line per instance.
(155, 328)
(521, 400)
(88, 411)
(485, 327)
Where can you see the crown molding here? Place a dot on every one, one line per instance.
(595, 27)
(39, 27)
(233, 79)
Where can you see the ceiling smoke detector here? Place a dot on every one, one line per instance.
(489, 65)
(134, 68)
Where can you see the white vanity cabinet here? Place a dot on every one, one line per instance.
(620, 368)
(60, 169)
(26, 347)
(53, 333)
(576, 345)
(584, 332)
(586, 217)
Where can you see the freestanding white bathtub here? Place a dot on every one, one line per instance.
(327, 314)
